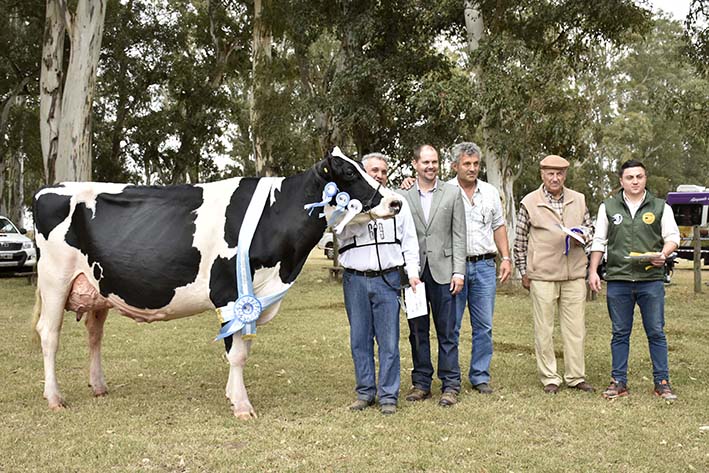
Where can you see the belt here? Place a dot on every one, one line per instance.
(372, 274)
(473, 259)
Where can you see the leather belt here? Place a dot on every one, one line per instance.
(372, 274)
(473, 259)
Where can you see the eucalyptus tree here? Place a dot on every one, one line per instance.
(525, 61)
(21, 33)
(66, 110)
(660, 111)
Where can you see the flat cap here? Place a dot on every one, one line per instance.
(553, 161)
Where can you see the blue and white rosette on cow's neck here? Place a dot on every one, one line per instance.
(345, 208)
(242, 314)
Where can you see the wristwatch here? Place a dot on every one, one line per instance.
(506, 258)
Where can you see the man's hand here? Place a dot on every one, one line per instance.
(407, 183)
(413, 282)
(505, 270)
(594, 281)
(658, 260)
(456, 285)
(525, 282)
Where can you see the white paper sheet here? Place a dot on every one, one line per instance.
(416, 301)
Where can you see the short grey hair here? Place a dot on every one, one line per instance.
(380, 156)
(466, 148)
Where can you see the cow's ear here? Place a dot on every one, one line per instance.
(324, 167)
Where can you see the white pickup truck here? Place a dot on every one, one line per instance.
(16, 250)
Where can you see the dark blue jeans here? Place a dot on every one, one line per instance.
(443, 308)
(479, 291)
(650, 297)
(373, 312)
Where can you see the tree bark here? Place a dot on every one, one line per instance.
(85, 30)
(499, 170)
(261, 59)
(50, 87)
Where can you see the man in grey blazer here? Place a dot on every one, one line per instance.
(439, 216)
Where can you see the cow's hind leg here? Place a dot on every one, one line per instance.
(235, 388)
(94, 327)
(48, 327)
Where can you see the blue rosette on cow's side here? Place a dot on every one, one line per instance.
(242, 314)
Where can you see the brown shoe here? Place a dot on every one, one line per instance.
(584, 386)
(416, 394)
(551, 388)
(448, 399)
(361, 404)
(388, 409)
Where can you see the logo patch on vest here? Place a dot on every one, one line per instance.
(649, 218)
(617, 219)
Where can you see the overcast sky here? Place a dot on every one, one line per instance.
(677, 8)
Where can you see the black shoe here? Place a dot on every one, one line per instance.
(483, 388)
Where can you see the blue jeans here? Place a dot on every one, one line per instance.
(443, 307)
(373, 312)
(650, 297)
(479, 290)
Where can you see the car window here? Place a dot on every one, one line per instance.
(6, 226)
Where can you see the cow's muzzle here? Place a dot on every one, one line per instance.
(395, 206)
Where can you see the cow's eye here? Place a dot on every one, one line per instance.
(349, 173)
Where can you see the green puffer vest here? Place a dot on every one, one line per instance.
(627, 234)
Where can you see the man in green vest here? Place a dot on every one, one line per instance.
(553, 268)
(639, 232)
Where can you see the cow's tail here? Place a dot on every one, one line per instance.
(35, 315)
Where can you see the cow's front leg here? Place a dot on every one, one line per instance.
(94, 327)
(235, 388)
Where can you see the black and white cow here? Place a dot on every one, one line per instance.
(160, 253)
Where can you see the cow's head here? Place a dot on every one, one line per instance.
(350, 177)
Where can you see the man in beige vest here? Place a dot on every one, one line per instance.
(553, 269)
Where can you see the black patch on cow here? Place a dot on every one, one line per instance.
(97, 272)
(222, 281)
(227, 341)
(142, 239)
(49, 211)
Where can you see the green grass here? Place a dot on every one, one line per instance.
(166, 411)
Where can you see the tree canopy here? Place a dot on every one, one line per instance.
(197, 91)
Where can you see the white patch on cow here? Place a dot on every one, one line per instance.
(276, 186)
(84, 192)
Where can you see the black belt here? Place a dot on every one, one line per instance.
(372, 274)
(473, 259)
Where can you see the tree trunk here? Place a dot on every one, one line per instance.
(85, 30)
(499, 171)
(261, 59)
(50, 87)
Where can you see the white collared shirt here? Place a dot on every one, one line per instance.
(668, 226)
(482, 217)
(426, 198)
(390, 255)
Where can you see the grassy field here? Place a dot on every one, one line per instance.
(166, 411)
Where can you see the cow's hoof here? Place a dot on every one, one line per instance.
(245, 414)
(100, 392)
(57, 404)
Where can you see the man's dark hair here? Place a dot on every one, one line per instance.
(419, 148)
(631, 163)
